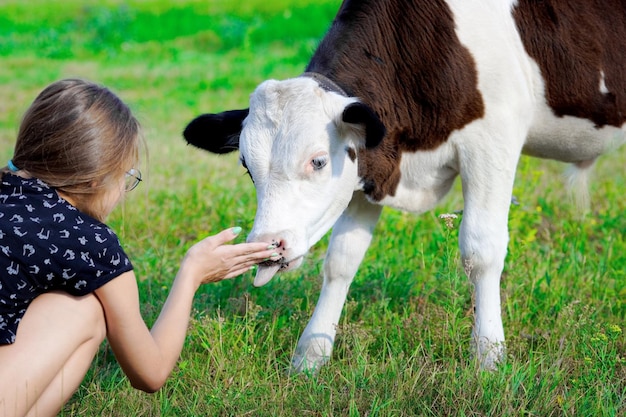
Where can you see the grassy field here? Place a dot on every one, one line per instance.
(402, 345)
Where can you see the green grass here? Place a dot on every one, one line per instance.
(402, 345)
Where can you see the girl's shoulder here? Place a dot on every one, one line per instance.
(17, 192)
(29, 205)
(58, 244)
(37, 201)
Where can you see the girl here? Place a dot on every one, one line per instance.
(65, 281)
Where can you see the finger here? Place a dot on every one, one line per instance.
(271, 255)
(238, 271)
(227, 235)
(257, 248)
(257, 257)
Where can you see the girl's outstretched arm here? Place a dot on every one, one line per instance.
(148, 356)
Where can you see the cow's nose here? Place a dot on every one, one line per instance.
(278, 240)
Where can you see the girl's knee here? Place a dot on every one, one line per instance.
(84, 314)
(94, 318)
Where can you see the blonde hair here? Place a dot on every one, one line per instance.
(78, 137)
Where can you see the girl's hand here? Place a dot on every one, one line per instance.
(212, 260)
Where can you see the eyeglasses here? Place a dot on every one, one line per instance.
(133, 178)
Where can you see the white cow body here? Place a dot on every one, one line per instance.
(297, 149)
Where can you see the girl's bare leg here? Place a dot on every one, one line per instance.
(56, 342)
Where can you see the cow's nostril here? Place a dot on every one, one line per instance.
(278, 244)
(277, 241)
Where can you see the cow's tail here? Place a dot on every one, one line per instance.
(577, 176)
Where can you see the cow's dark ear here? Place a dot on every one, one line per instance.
(359, 113)
(216, 133)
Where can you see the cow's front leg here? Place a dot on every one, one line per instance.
(483, 240)
(349, 241)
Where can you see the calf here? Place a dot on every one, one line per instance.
(400, 98)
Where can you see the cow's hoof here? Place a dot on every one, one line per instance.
(306, 365)
(311, 354)
(489, 354)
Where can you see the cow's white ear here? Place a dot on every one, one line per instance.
(361, 114)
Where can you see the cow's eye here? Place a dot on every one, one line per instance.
(319, 162)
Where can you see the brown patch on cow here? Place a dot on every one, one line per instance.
(573, 41)
(404, 60)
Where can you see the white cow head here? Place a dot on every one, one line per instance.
(300, 145)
